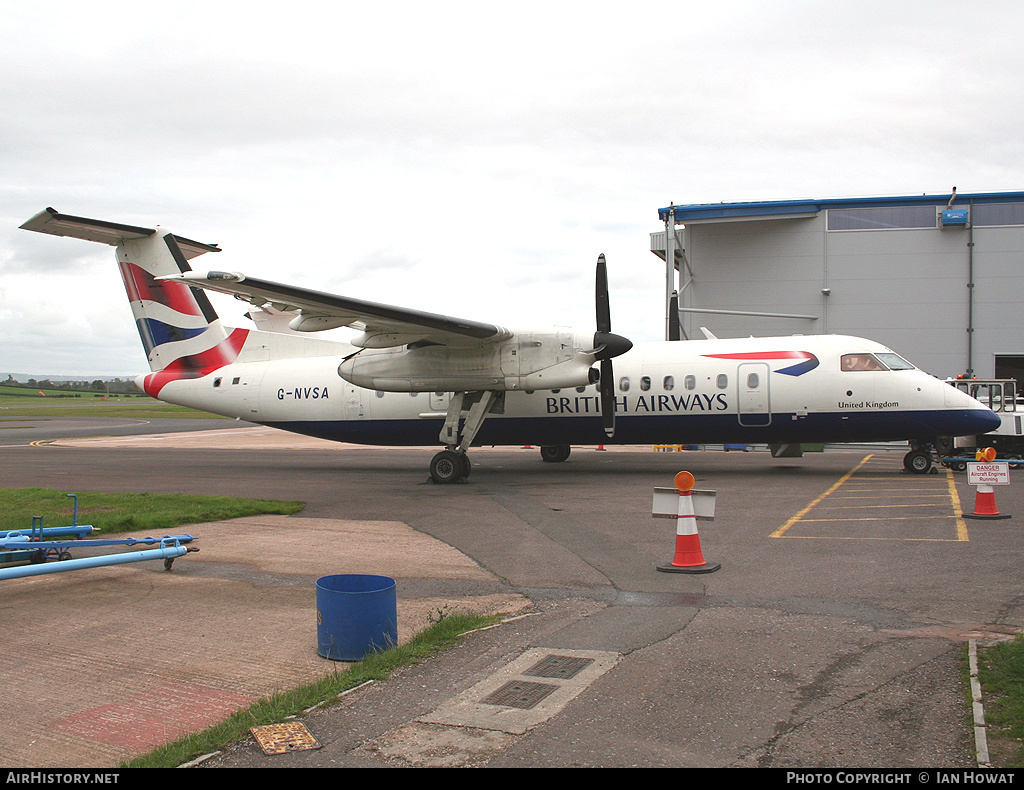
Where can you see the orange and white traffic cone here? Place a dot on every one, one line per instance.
(688, 557)
(985, 503)
(985, 497)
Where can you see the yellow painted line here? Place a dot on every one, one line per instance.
(785, 527)
(868, 518)
(961, 525)
(888, 505)
(948, 495)
(851, 537)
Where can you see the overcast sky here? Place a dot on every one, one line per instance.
(465, 158)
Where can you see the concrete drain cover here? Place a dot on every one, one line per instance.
(519, 694)
(291, 736)
(513, 701)
(557, 666)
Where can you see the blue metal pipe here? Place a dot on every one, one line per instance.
(163, 553)
(48, 532)
(21, 541)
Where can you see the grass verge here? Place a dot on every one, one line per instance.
(439, 636)
(111, 513)
(137, 407)
(1001, 674)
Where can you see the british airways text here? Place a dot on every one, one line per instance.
(642, 403)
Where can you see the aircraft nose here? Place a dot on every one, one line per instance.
(987, 419)
(971, 416)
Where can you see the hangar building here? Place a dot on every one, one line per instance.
(937, 278)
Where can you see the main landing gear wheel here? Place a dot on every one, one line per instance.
(449, 466)
(554, 453)
(918, 462)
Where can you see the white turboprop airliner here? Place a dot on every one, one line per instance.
(414, 378)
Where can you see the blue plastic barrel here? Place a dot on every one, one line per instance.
(356, 614)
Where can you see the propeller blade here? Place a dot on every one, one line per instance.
(608, 397)
(674, 330)
(604, 316)
(606, 346)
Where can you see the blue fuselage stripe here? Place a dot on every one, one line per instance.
(653, 429)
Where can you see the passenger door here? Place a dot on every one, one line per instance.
(753, 399)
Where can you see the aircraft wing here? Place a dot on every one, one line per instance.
(383, 325)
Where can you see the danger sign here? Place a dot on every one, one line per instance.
(988, 473)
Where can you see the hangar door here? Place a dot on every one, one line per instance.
(1010, 366)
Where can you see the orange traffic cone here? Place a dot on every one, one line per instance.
(688, 558)
(985, 497)
(985, 503)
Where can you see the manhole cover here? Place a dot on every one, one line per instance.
(561, 667)
(519, 694)
(290, 736)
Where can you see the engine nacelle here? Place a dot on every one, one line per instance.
(529, 361)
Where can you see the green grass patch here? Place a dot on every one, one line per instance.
(112, 513)
(441, 635)
(116, 406)
(1001, 674)
(27, 391)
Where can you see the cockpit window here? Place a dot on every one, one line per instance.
(895, 361)
(880, 361)
(860, 362)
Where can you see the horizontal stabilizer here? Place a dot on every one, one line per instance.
(112, 233)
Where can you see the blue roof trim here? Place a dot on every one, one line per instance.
(782, 208)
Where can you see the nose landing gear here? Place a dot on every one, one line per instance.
(918, 461)
(449, 466)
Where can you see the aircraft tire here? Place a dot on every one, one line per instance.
(448, 466)
(917, 461)
(555, 453)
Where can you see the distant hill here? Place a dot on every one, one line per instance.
(23, 378)
(11, 384)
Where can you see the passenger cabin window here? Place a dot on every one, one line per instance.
(624, 384)
(860, 362)
(669, 383)
(690, 382)
(645, 383)
(753, 381)
(722, 381)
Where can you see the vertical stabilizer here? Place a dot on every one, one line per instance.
(181, 332)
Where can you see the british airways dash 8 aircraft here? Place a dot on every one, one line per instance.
(415, 378)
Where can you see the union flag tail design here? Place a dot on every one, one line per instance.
(181, 332)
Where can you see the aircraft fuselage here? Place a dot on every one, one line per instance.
(748, 390)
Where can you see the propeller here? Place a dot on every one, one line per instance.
(606, 346)
(674, 330)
